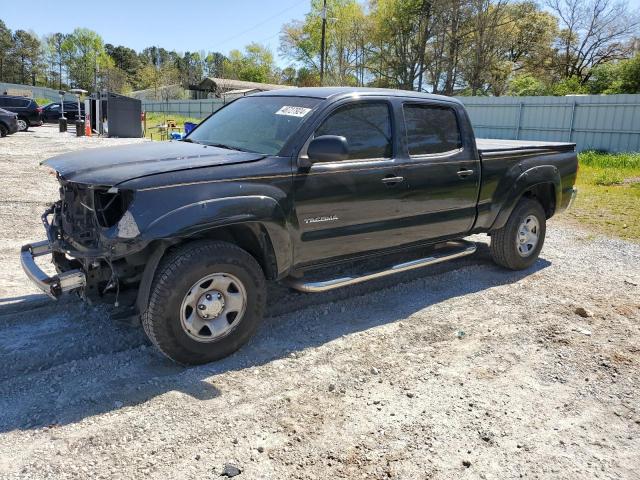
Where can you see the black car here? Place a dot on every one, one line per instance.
(8, 123)
(285, 186)
(29, 113)
(51, 113)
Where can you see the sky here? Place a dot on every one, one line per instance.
(190, 25)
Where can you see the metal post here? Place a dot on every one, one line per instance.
(322, 42)
(573, 116)
(519, 120)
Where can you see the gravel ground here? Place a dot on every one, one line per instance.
(463, 370)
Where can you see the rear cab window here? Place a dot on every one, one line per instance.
(431, 129)
(365, 125)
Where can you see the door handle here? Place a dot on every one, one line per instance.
(464, 173)
(392, 180)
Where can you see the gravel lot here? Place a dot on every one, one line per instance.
(462, 370)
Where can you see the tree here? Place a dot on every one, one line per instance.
(526, 85)
(288, 76)
(346, 43)
(593, 32)
(124, 58)
(26, 48)
(84, 52)
(111, 77)
(53, 45)
(190, 68)
(6, 42)
(256, 64)
(618, 77)
(163, 80)
(214, 64)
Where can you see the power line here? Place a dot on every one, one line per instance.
(266, 20)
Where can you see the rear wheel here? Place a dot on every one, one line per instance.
(23, 125)
(517, 245)
(3, 130)
(207, 299)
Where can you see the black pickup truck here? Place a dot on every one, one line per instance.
(279, 186)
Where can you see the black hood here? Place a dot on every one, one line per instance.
(113, 165)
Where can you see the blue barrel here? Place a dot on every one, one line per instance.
(188, 126)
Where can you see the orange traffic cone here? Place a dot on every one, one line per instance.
(87, 128)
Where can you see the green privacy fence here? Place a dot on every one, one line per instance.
(602, 122)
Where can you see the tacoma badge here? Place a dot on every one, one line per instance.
(332, 218)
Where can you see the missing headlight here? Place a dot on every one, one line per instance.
(110, 207)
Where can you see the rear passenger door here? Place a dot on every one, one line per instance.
(441, 169)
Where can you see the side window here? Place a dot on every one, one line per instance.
(366, 126)
(4, 102)
(431, 129)
(17, 102)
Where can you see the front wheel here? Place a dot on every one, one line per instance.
(517, 245)
(207, 299)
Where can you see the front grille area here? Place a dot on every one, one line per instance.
(77, 216)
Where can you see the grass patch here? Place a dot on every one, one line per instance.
(609, 193)
(43, 101)
(156, 124)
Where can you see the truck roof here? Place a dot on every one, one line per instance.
(331, 92)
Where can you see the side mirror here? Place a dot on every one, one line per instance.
(328, 148)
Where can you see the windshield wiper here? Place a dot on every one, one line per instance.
(188, 140)
(227, 147)
(220, 145)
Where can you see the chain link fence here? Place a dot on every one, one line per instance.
(189, 108)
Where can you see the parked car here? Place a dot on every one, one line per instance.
(29, 113)
(51, 113)
(286, 186)
(8, 123)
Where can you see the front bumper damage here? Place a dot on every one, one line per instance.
(94, 257)
(53, 286)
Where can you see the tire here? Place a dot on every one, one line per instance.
(3, 130)
(510, 243)
(181, 280)
(23, 124)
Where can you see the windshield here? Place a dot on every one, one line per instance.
(254, 124)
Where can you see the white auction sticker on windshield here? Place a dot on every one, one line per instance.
(293, 111)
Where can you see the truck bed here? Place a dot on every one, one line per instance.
(494, 145)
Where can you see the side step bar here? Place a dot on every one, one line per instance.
(461, 248)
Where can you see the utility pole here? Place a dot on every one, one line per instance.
(324, 29)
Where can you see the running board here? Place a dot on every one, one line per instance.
(459, 248)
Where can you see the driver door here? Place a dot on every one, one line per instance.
(349, 206)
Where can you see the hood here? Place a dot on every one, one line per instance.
(113, 165)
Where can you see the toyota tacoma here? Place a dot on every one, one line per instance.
(278, 186)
